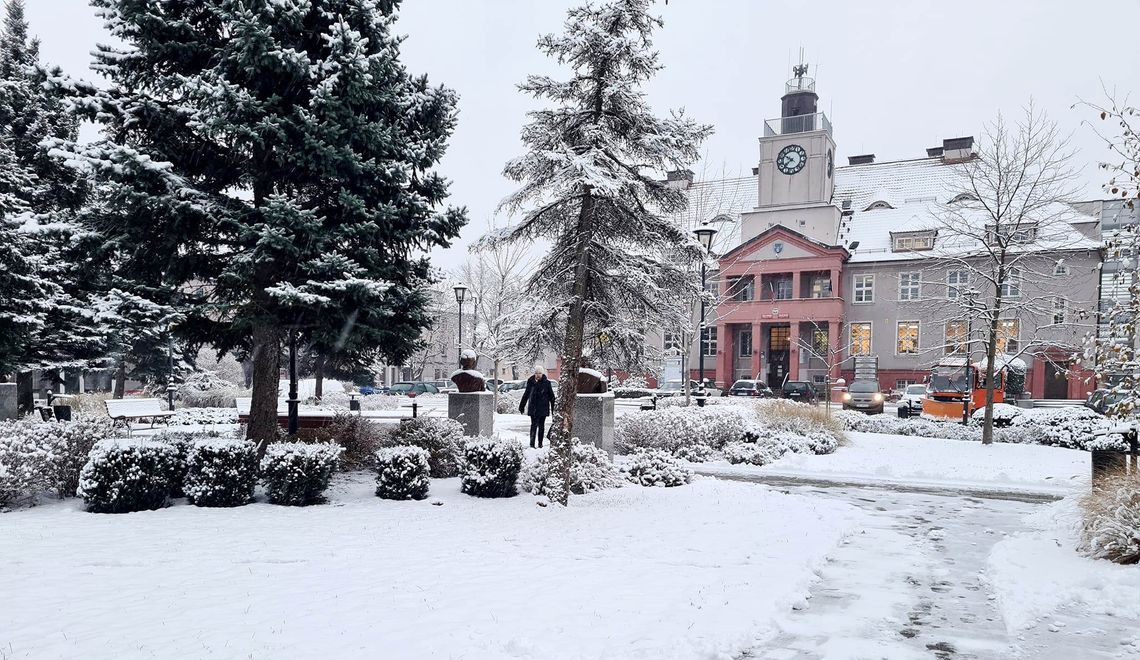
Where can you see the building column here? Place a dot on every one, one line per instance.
(757, 342)
(833, 334)
(836, 289)
(794, 331)
(796, 284)
(724, 354)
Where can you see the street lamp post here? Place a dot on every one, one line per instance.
(170, 387)
(705, 235)
(460, 295)
(970, 295)
(294, 401)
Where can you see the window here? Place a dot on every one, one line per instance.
(963, 197)
(860, 339)
(956, 337)
(903, 383)
(909, 287)
(744, 343)
(913, 241)
(1012, 233)
(783, 288)
(957, 281)
(821, 286)
(1060, 268)
(1060, 306)
(1011, 285)
(711, 285)
(1007, 336)
(672, 343)
(864, 288)
(907, 338)
(708, 341)
(875, 206)
(819, 342)
(780, 338)
(742, 289)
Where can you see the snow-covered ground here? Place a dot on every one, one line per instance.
(874, 458)
(687, 572)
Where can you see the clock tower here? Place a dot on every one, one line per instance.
(796, 173)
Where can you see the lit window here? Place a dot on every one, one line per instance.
(957, 281)
(1007, 336)
(1011, 285)
(819, 341)
(860, 339)
(956, 337)
(864, 288)
(909, 286)
(708, 340)
(907, 338)
(1060, 307)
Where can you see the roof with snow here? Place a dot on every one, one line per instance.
(884, 198)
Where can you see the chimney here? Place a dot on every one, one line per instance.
(681, 179)
(958, 150)
(934, 151)
(865, 159)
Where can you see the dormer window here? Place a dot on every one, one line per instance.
(912, 241)
(964, 197)
(877, 205)
(1060, 268)
(1011, 234)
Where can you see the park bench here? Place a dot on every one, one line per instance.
(311, 419)
(123, 411)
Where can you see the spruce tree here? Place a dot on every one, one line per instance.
(276, 168)
(592, 183)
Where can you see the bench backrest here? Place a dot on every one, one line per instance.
(133, 407)
(244, 403)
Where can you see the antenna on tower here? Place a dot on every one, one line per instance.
(801, 69)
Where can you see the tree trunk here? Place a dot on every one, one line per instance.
(495, 384)
(991, 354)
(319, 376)
(120, 389)
(266, 359)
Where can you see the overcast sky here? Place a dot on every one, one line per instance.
(894, 77)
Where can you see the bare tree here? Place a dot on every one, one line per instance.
(436, 340)
(1009, 211)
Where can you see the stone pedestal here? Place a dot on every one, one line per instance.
(594, 420)
(474, 410)
(8, 401)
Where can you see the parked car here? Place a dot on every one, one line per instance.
(1102, 400)
(511, 386)
(676, 388)
(756, 388)
(413, 389)
(445, 386)
(798, 390)
(911, 399)
(865, 396)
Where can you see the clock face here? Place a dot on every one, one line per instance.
(791, 159)
(830, 163)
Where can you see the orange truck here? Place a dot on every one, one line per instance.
(954, 385)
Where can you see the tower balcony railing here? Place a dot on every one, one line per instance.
(800, 84)
(799, 124)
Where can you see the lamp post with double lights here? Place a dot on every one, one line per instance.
(705, 235)
(460, 296)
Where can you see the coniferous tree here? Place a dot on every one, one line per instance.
(592, 182)
(276, 167)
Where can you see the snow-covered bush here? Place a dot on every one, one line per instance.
(123, 475)
(402, 473)
(360, 438)
(695, 453)
(440, 436)
(90, 405)
(68, 444)
(491, 467)
(221, 472)
(1004, 415)
(1110, 526)
(509, 402)
(655, 467)
(822, 432)
(297, 473)
(181, 442)
(206, 389)
(203, 416)
(752, 453)
(25, 464)
(672, 428)
(592, 470)
(1073, 427)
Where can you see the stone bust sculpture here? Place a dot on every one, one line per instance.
(467, 379)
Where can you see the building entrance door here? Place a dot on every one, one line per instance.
(742, 354)
(1056, 381)
(779, 345)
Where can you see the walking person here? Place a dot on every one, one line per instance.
(539, 395)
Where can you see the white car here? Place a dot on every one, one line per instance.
(912, 398)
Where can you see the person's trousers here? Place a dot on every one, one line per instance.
(537, 425)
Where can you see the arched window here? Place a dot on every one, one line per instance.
(964, 197)
(879, 204)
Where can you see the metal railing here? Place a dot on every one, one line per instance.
(799, 124)
(800, 84)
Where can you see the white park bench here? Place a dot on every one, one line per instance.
(123, 411)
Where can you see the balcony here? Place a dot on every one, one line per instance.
(799, 124)
(780, 311)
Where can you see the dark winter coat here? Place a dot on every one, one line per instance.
(540, 395)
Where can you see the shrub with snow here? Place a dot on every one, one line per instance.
(672, 428)
(360, 438)
(221, 472)
(655, 467)
(297, 473)
(1110, 526)
(1004, 415)
(1073, 427)
(821, 432)
(67, 444)
(181, 442)
(491, 467)
(402, 473)
(695, 453)
(25, 463)
(123, 475)
(509, 402)
(751, 453)
(203, 416)
(592, 470)
(440, 436)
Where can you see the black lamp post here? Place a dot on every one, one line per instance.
(460, 296)
(970, 295)
(705, 235)
(294, 401)
(170, 387)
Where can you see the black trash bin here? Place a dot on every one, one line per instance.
(62, 413)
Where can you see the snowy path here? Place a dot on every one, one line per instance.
(912, 585)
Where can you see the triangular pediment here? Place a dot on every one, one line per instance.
(780, 242)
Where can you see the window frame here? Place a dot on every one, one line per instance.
(1004, 338)
(868, 289)
(915, 287)
(1060, 308)
(709, 340)
(677, 344)
(959, 347)
(744, 344)
(959, 286)
(898, 336)
(1011, 285)
(851, 338)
